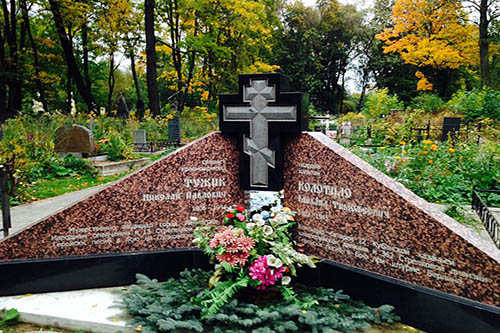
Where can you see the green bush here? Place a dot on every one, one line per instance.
(174, 306)
(379, 103)
(427, 102)
(476, 104)
(438, 172)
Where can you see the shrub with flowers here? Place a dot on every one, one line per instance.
(251, 252)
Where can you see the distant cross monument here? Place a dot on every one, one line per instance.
(260, 112)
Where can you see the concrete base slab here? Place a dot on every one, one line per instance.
(114, 168)
(93, 310)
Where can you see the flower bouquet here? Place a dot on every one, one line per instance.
(250, 252)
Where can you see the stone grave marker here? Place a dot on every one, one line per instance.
(450, 125)
(263, 109)
(351, 213)
(74, 139)
(122, 111)
(148, 210)
(174, 129)
(139, 140)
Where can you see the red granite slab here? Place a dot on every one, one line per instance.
(148, 210)
(353, 214)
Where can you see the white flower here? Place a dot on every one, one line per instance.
(73, 107)
(250, 226)
(268, 230)
(257, 217)
(273, 261)
(260, 223)
(37, 106)
(193, 218)
(285, 280)
(275, 209)
(281, 218)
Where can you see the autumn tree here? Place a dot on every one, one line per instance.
(432, 35)
(114, 20)
(489, 11)
(10, 53)
(66, 15)
(149, 21)
(204, 44)
(315, 47)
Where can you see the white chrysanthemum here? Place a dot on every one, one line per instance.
(267, 231)
(257, 217)
(285, 280)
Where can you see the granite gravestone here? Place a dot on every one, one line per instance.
(74, 139)
(263, 109)
(139, 140)
(451, 125)
(147, 211)
(353, 214)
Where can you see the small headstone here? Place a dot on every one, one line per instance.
(92, 125)
(174, 129)
(139, 140)
(450, 125)
(123, 111)
(139, 137)
(74, 139)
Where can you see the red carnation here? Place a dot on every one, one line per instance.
(230, 215)
(240, 209)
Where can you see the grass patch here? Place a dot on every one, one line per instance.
(47, 188)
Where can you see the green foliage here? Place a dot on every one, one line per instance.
(427, 102)
(476, 104)
(458, 214)
(379, 103)
(175, 305)
(9, 317)
(438, 172)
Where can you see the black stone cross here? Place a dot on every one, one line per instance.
(260, 113)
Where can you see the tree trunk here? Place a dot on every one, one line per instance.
(154, 102)
(483, 43)
(363, 91)
(85, 46)
(3, 82)
(140, 100)
(12, 81)
(73, 70)
(69, 92)
(36, 59)
(341, 97)
(111, 81)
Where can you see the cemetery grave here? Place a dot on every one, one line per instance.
(378, 241)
